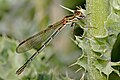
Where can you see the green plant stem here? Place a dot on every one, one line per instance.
(98, 11)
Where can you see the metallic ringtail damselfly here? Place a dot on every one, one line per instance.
(43, 38)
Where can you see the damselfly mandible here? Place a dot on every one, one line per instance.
(43, 38)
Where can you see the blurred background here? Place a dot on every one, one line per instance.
(19, 19)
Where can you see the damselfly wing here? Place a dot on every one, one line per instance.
(38, 39)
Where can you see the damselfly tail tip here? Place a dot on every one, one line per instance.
(20, 70)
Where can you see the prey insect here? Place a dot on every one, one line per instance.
(43, 38)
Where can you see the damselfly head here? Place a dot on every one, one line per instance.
(79, 13)
(79, 8)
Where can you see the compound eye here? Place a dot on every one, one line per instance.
(77, 13)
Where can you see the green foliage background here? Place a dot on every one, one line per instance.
(20, 19)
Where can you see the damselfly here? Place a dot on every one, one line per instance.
(43, 38)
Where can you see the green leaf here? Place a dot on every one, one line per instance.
(97, 43)
(115, 4)
(113, 24)
(103, 66)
